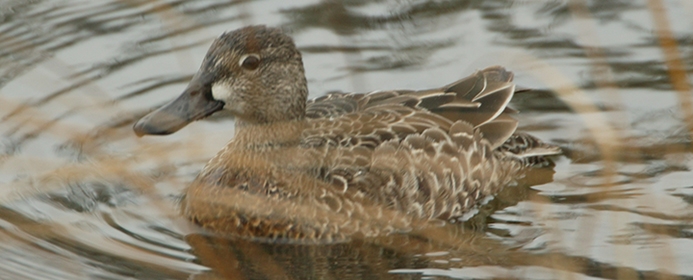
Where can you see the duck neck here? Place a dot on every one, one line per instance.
(279, 103)
(268, 136)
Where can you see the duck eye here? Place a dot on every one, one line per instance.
(250, 61)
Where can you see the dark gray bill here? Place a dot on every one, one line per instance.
(195, 103)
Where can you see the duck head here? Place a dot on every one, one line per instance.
(255, 73)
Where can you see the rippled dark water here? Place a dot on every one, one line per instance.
(82, 197)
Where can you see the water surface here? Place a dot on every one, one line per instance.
(82, 197)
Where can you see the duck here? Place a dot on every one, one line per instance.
(343, 164)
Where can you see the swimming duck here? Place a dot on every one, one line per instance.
(344, 163)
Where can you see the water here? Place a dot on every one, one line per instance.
(82, 197)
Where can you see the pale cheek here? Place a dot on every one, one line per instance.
(221, 91)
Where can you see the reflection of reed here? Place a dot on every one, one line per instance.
(606, 139)
(29, 119)
(674, 63)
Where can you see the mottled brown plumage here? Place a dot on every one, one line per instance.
(341, 164)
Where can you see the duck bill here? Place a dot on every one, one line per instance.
(195, 103)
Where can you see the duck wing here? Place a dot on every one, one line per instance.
(348, 119)
(430, 153)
